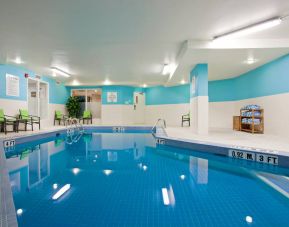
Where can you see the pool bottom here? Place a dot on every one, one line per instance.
(123, 179)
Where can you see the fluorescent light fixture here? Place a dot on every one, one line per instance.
(61, 191)
(18, 60)
(75, 171)
(107, 82)
(165, 196)
(19, 211)
(60, 72)
(249, 219)
(107, 172)
(166, 69)
(55, 186)
(251, 29)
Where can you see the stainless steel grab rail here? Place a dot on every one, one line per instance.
(156, 124)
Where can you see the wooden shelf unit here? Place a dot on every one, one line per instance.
(252, 127)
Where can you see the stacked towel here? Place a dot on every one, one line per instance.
(250, 121)
(250, 114)
(251, 107)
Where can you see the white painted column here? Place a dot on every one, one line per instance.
(199, 101)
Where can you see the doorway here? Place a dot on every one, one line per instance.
(139, 107)
(90, 99)
(37, 98)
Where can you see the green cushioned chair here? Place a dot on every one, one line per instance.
(27, 119)
(186, 118)
(60, 117)
(86, 116)
(6, 120)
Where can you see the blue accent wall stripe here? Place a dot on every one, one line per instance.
(269, 79)
(160, 95)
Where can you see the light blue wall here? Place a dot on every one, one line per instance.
(168, 95)
(269, 79)
(15, 71)
(200, 72)
(124, 93)
(57, 92)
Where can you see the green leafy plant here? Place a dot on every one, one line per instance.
(73, 106)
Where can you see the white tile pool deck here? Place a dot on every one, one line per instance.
(219, 136)
(234, 138)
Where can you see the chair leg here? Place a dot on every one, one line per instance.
(39, 125)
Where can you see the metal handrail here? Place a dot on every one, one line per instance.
(156, 124)
(72, 123)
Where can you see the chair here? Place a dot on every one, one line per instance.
(186, 118)
(86, 116)
(27, 119)
(6, 120)
(58, 116)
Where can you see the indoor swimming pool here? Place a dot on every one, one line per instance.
(125, 179)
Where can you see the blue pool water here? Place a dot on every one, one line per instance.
(125, 180)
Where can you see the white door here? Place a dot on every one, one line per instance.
(139, 107)
(37, 98)
(33, 97)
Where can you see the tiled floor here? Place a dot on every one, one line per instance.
(221, 136)
(235, 138)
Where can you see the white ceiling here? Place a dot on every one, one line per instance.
(128, 41)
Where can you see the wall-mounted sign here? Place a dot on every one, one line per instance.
(12, 85)
(33, 94)
(111, 97)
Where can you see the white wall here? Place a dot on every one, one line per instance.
(172, 113)
(276, 112)
(11, 107)
(117, 114)
(221, 115)
(199, 114)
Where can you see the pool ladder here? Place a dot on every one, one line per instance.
(158, 126)
(74, 130)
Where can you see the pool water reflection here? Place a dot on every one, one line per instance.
(111, 179)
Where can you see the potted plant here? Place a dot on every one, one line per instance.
(73, 106)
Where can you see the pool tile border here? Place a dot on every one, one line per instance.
(220, 149)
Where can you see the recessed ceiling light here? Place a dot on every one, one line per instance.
(250, 61)
(60, 72)
(166, 69)
(18, 60)
(251, 29)
(107, 82)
